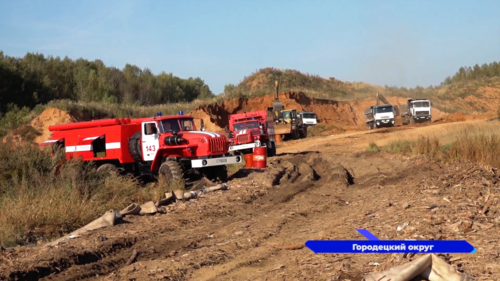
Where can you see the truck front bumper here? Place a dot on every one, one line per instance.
(385, 122)
(211, 162)
(242, 146)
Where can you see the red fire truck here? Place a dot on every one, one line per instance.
(251, 129)
(167, 146)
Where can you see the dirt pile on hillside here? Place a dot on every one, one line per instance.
(38, 129)
(346, 114)
(49, 117)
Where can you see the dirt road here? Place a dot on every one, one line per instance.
(319, 188)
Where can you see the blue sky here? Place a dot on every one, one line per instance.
(402, 43)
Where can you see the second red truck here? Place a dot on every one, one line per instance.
(251, 129)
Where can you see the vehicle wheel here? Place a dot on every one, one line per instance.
(221, 173)
(271, 149)
(216, 174)
(171, 174)
(303, 133)
(134, 147)
(295, 134)
(109, 169)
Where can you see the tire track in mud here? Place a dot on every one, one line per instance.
(278, 218)
(291, 186)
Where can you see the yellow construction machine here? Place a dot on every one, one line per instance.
(288, 124)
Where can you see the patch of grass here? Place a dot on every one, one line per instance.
(321, 128)
(402, 147)
(373, 147)
(474, 143)
(42, 197)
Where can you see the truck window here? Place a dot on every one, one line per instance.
(384, 109)
(246, 125)
(239, 127)
(170, 125)
(422, 104)
(187, 125)
(308, 115)
(150, 128)
(286, 115)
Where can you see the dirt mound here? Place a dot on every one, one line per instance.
(345, 114)
(455, 117)
(49, 117)
(38, 129)
(484, 99)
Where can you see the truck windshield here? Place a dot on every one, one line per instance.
(286, 115)
(175, 125)
(246, 125)
(421, 104)
(384, 109)
(309, 115)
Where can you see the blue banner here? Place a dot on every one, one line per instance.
(374, 245)
(390, 246)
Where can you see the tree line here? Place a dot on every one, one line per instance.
(475, 72)
(35, 79)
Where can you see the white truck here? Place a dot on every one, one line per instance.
(416, 111)
(379, 116)
(308, 118)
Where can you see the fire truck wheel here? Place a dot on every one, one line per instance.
(271, 149)
(108, 168)
(134, 147)
(171, 174)
(221, 173)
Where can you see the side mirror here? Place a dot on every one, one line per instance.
(202, 125)
(226, 128)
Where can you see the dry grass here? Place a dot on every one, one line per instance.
(40, 199)
(477, 141)
(323, 129)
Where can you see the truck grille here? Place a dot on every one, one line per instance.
(243, 138)
(218, 145)
(422, 113)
